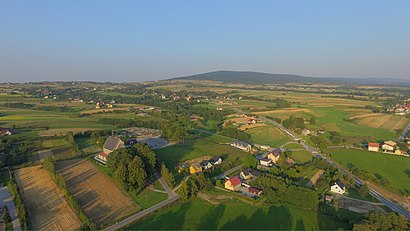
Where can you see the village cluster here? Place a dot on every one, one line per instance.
(389, 147)
(400, 109)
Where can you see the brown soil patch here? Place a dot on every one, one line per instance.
(100, 197)
(214, 199)
(46, 205)
(315, 178)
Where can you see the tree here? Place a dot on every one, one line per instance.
(364, 190)
(136, 172)
(402, 146)
(250, 162)
(184, 191)
(121, 174)
(166, 175)
(379, 221)
(201, 181)
(6, 215)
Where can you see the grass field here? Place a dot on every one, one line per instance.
(46, 205)
(235, 214)
(301, 156)
(148, 198)
(211, 146)
(100, 197)
(88, 146)
(394, 168)
(269, 135)
(385, 121)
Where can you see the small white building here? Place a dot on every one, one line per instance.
(266, 162)
(242, 145)
(388, 146)
(374, 147)
(338, 187)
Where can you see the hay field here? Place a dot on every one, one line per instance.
(100, 197)
(269, 135)
(46, 205)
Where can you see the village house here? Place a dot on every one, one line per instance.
(338, 187)
(266, 162)
(233, 184)
(274, 156)
(254, 192)
(111, 144)
(328, 199)
(195, 169)
(205, 164)
(374, 147)
(7, 132)
(251, 120)
(306, 132)
(242, 145)
(388, 146)
(130, 142)
(290, 161)
(246, 174)
(215, 160)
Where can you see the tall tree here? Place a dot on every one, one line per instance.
(136, 172)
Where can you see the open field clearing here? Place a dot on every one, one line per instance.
(301, 156)
(192, 149)
(269, 135)
(396, 169)
(287, 111)
(47, 207)
(235, 214)
(100, 197)
(385, 121)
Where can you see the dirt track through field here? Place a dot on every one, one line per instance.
(47, 207)
(100, 197)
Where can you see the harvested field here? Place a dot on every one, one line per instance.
(100, 197)
(289, 111)
(47, 207)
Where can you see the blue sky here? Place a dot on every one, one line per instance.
(145, 40)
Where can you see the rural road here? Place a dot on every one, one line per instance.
(393, 206)
(220, 176)
(172, 196)
(405, 132)
(7, 200)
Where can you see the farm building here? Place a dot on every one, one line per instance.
(374, 147)
(388, 146)
(205, 164)
(233, 184)
(306, 132)
(254, 191)
(7, 131)
(242, 145)
(338, 187)
(112, 143)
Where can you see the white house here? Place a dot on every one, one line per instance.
(388, 146)
(265, 162)
(242, 145)
(338, 187)
(374, 147)
(215, 160)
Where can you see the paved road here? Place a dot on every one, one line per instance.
(404, 134)
(222, 175)
(7, 200)
(172, 196)
(393, 206)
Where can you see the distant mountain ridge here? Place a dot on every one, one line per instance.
(251, 77)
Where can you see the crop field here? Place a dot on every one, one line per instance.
(46, 205)
(192, 149)
(385, 121)
(394, 168)
(235, 214)
(269, 135)
(301, 156)
(100, 197)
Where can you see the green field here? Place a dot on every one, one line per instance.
(269, 135)
(213, 146)
(235, 214)
(148, 198)
(301, 156)
(394, 168)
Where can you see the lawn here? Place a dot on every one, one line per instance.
(394, 168)
(88, 146)
(148, 198)
(192, 149)
(293, 146)
(268, 135)
(235, 214)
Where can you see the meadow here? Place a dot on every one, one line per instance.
(394, 168)
(235, 214)
(269, 135)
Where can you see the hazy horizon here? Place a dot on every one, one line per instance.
(132, 41)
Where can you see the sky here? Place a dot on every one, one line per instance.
(139, 40)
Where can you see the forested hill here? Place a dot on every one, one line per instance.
(250, 77)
